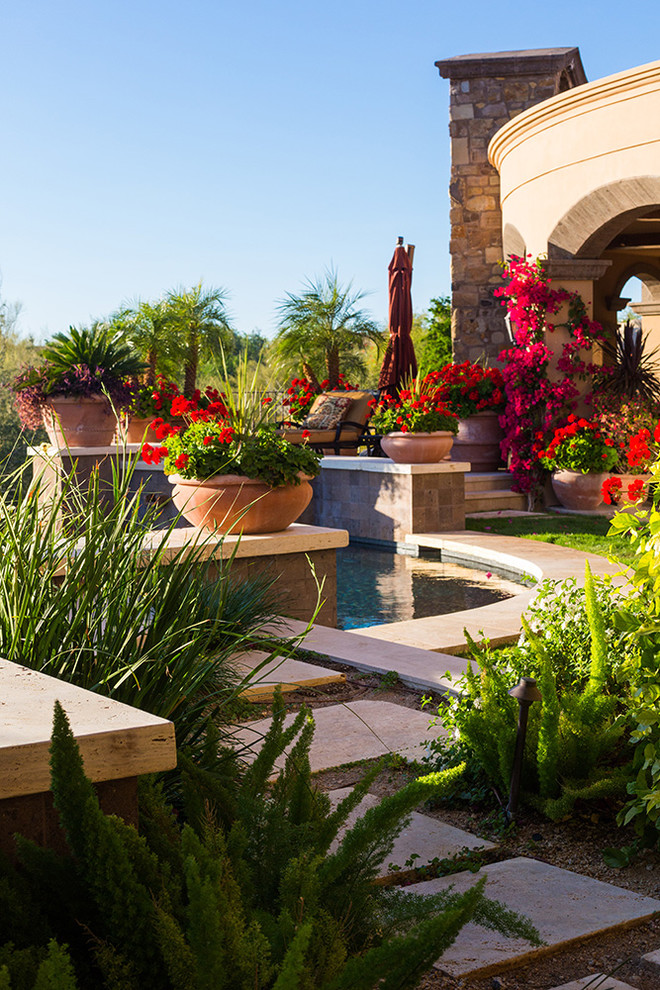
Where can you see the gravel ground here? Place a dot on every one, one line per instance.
(574, 844)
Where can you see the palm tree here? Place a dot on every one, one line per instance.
(324, 321)
(148, 327)
(199, 320)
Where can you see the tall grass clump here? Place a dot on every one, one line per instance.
(93, 593)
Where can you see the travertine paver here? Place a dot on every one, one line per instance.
(565, 907)
(422, 670)
(284, 672)
(357, 730)
(426, 838)
(652, 959)
(597, 981)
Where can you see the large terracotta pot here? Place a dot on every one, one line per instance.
(629, 479)
(417, 448)
(79, 422)
(478, 441)
(229, 503)
(134, 429)
(577, 491)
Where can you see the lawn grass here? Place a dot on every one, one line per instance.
(587, 533)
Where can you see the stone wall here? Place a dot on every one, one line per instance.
(485, 92)
(296, 586)
(382, 502)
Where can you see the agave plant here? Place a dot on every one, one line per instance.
(633, 370)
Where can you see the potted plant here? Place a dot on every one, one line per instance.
(300, 395)
(78, 388)
(417, 426)
(477, 397)
(147, 403)
(633, 421)
(580, 457)
(229, 479)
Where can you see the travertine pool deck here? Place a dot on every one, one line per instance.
(422, 651)
(499, 622)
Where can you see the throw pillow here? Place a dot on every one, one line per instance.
(328, 412)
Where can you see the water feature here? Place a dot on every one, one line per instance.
(375, 586)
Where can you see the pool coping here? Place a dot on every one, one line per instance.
(422, 651)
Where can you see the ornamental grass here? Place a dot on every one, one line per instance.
(93, 593)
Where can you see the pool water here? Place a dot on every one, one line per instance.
(376, 586)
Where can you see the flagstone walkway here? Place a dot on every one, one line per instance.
(565, 906)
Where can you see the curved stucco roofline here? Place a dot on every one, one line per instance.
(570, 104)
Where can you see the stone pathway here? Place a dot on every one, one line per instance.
(426, 839)
(347, 733)
(565, 907)
(290, 675)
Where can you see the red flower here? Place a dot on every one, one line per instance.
(611, 490)
(181, 462)
(636, 490)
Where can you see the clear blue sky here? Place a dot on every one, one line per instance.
(148, 145)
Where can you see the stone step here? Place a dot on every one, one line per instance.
(266, 674)
(486, 500)
(356, 730)
(596, 981)
(565, 908)
(426, 839)
(488, 480)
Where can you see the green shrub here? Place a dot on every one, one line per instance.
(200, 906)
(572, 748)
(638, 620)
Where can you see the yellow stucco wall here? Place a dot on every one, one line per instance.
(573, 162)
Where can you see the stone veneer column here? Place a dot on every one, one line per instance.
(485, 92)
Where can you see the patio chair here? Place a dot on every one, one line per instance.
(337, 424)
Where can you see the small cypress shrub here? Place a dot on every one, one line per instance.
(202, 908)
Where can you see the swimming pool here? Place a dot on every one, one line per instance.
(375, 586)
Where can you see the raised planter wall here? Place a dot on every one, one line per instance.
(283, 555)
(287, 556)
(379, 501)
(117, 743)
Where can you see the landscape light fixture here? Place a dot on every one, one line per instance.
(526, 693)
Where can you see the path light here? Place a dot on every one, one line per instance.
(526, 693)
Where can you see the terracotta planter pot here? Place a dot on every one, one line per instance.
(79, 422)
(229, 503)
(577, 491)
(134, 429)
(629, 479)
(478, 441)
(417, 448)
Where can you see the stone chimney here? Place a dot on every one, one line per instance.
(486, 91)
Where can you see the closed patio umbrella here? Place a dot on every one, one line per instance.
(399, 362)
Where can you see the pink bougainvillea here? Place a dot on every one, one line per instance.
(537, 403)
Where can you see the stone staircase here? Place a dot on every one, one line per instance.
(490, 491)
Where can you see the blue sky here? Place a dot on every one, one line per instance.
(148, 145)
